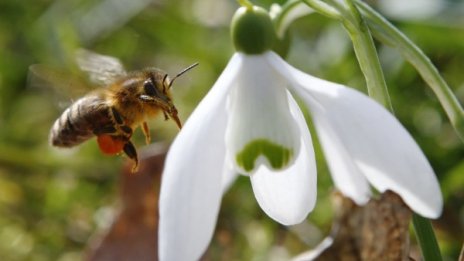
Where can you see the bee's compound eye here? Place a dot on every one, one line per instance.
(149, 88)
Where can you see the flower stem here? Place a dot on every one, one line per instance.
(390, 35)
(279, 19)
(323, 8)
(368, 59)
(426, 238)
(363, 45)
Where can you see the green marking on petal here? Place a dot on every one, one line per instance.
(277, 155)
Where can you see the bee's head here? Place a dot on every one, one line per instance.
(156, 91)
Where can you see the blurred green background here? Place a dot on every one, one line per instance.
(52, 201)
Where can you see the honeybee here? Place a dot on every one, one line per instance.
(112, 113)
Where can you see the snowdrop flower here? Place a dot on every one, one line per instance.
(249, 123)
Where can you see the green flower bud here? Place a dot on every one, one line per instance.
(252, 30)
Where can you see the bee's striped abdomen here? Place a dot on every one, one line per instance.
(78, 122)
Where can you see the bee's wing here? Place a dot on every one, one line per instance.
(102, 69)
(66, 86)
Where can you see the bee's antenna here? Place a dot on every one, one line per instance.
(182, 72)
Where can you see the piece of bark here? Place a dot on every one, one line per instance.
(377, 231)
(134, 233)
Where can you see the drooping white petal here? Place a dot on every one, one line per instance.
(261, 129)
(378, 145)
(289, 195)
(191, 184)
(346, 175)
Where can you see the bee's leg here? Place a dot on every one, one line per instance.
(146, 132)
(166, 116)
(118, 120)
(127, 131)
(131, 152)
(116, 116)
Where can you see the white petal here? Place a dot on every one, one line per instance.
(289, 195)
(377, 143)
(191, 184)
(346, 175)
(261, 129)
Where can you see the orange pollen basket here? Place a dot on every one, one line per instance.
(109, 145)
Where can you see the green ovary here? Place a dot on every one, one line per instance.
(252, 30)
(277, 155)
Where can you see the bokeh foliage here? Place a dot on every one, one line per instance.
(52, 201)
